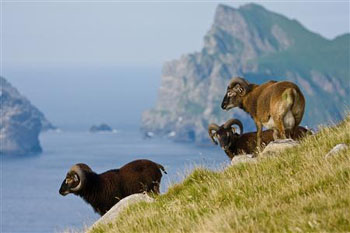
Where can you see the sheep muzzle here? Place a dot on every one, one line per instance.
(225, 102)
(64, 190)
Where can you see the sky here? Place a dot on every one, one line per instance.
(132, 33)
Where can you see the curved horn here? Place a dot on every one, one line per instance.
(242, 82)
(234, 121)
(212, 127)
(79, 171)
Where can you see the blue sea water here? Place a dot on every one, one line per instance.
(30, 200)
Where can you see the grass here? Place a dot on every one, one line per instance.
(297, 191)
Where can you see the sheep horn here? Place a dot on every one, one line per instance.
(79, 171)
(242, 82)
(212, 127)
(230, 122)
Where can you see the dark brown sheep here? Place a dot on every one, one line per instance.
(244, 143)
(103, 191)
(274, 105)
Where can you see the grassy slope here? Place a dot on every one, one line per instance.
(298, 191)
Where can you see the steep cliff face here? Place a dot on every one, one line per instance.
(259, 45)
(20, 122)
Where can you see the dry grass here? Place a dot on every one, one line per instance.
(298, 191)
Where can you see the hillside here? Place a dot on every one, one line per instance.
(259, 45)
(297, 191)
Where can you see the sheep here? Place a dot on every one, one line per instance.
(274, 105)
(233, 143)
(103, 191)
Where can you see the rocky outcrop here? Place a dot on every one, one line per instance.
(100, 128)
(20, 122)
(248, 158)
(276, 147)
(272, 149)
(113, 213)
(336, 149)
(259, 45)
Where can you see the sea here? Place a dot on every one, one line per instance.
(30, 200)
(73, 99)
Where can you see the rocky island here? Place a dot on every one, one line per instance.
(259, 45)
(100, 128)
(20, 122)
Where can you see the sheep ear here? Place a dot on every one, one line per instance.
(76, 178)
(233, 130)
(231, 93)
(214, 139)
(240, 90)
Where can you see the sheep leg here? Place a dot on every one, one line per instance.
(258, 135)
(289, 132)
(280, 132)
(293, 132)
(298, 108)
(284, 110)
(275, 134)
(229, 154)
(280, 128)
(155, 188)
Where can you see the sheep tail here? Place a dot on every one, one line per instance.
(161, 168)
(289, 96)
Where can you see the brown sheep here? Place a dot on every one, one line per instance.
(274, 105)
(243, 143)
(103, 191)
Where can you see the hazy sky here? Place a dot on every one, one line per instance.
(137, 33)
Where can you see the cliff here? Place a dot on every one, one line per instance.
(259, 45)
(20, 122)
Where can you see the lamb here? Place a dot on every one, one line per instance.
(274, 105)
(233, 143)
(103, 191)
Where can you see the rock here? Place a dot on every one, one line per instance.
(113, 213)
(335, 150)
(278, 146)
(243, 159)
(259, 45)
(148, 135)
(20, 122)
(100, 128)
